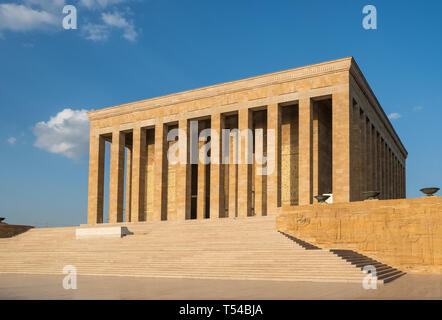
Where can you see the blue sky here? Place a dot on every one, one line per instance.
(127, 50)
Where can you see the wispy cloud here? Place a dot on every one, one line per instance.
(95, 24)
(95, 32)
(110, 21)
(418, 108)
(118, 21)
(11, 140)
(97, 4)
(66, 133)
(394, 116)
(22, 18)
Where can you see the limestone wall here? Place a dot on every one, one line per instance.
(404, 233)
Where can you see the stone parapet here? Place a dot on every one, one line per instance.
(403, 233)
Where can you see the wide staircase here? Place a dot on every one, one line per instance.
(247, 248)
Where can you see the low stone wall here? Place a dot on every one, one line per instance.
(10, 230)
(404, 233)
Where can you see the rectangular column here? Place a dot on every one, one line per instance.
(382, 167)
(183, 181)
(116, 179)
(385, 161)
(160, 174)
(363, 154)
(201, 176)
(149, 177)
(393, 164)
(216, 189)
(374, 159)
(341, 146)
(128, 184)
(139, 158)
(305, 185)
(273, 154)
(233, 175)
(369, 156)
(245, 165)
(378, 161)
(396, 173)
(390, 174)
(315, 149)
(399, 172)
(96, 179)
(356, 194)
(404, 173)
(259, 176)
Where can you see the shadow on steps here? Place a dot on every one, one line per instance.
(384, 272)
(305, 245)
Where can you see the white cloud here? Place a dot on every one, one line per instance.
(30, 15)
(394, 116)
(48, 5)
(67, 133)
(96, 4)
(95, 32)
(12, 140)
(118, 21)
(101, 32)
(418, 108)
(22, 18)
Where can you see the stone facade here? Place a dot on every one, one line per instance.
(322, 124)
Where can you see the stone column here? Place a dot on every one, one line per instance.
(128, 184)
(273, 153)
(233, 174)
(315, 149)
(374, 157)
(183, 179)
(305, 184)
(369, 156)
(260, 180)
(96, 179)
(394, 176)
(216, 182)
(341, 146)
(399, 172)
(160, 174)
(404, 173)
(385, 161)
(379, 162)
(356, 194)
(398, 192)
(139, 158)
(201, 176)
(363, 153)
(390, 174)
(382, 167)
(245, 165)
(116, 179)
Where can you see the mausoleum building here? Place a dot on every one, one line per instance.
(308, 131)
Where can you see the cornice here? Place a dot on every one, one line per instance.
(310, 71)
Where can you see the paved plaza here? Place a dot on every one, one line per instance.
(15, 286)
